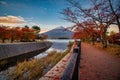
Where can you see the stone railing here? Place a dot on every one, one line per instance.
(72, 70)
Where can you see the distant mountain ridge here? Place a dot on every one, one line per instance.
(59, 33)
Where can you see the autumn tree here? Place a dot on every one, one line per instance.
(27, 34)
(82, 34)
(114, 38)
(4, 33)
(115, 10)
(16, 34)
(98, 12)
(88, 32)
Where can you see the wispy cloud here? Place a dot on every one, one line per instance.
(15, 21)
(42, 26)
(11, 19)
(3, 3)
(20, 21)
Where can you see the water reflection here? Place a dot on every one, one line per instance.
(58, 44)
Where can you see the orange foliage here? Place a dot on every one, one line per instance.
(80, 34)
(4, 33)
(86, 32)
(27, 34)
(17, 33)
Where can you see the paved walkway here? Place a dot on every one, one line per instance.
(98, 65)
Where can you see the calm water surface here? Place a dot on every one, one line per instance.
(58, 44)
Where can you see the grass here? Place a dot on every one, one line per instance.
(111, 48)
(27, 68)
(3, 63)
(34, 69)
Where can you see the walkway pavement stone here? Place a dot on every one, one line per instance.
(98, 65)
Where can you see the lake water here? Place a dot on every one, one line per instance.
(58, 44)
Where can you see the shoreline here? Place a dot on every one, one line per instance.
(13, 60)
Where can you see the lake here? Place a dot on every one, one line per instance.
(58, 44)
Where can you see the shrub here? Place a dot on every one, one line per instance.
(114, 39)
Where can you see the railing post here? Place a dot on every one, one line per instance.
(76, 72)
(79, 55)
(79, 45)
(72, 70)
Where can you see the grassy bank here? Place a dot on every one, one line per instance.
(112, 48)
(35, 68)
(3, 63)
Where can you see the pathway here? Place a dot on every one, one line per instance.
(98, 65)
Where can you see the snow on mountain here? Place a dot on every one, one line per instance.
(59, 33)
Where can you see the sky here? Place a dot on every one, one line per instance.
(45, 13)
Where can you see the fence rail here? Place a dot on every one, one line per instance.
(72, 72)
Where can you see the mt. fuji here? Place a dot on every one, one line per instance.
(59, 33)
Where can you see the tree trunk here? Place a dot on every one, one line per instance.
(104, 38)
(104, 43)
(12, 40)
(93, 40)
(3, 40)
(114, 13)
(89, 37)
(118, 24)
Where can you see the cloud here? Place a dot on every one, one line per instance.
(44, 26)
(3, 3)
(11, 19)
(20, 21)
(43, 30)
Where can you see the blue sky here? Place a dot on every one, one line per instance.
(45, 13)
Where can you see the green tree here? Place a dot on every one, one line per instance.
(36, 31)
(36, 28)
(26, 26)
